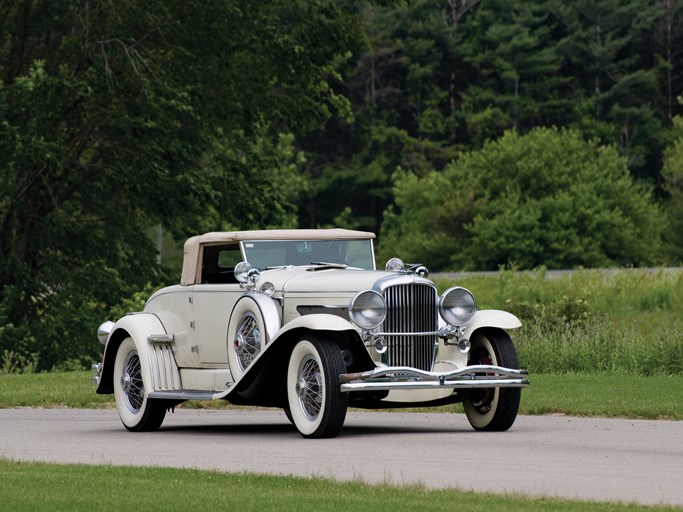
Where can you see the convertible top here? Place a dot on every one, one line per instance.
(192, 253)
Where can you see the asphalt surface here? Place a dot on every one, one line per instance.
(576, 458)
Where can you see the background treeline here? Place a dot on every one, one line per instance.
(469, 134)
(541, 104)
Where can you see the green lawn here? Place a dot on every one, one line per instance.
(38, 487)
(602, 394)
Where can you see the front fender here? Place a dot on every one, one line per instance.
(159, 369)
(263, 381)
(317, 322)
(492, 318)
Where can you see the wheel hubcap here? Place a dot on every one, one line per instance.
(125, 382)
(301, 387)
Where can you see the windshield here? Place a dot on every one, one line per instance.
(276, 253)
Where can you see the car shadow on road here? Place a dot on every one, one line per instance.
(286, 429)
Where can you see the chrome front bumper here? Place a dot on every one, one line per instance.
(399, 377)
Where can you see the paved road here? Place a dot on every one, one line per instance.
(576, 458)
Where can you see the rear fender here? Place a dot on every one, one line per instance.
(159, 368)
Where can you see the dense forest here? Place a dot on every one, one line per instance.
(469, 134)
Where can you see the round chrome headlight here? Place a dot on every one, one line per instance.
(457, 306)
(368, 309)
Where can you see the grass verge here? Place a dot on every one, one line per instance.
(624, 321)
(601, 394)
(35, 487)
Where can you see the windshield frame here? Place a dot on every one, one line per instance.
(307, 252)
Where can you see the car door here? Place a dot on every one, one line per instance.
(213, 300)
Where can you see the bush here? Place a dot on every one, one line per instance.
(547, 198)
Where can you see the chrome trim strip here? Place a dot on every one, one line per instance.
(163, 371)
(401, 279)
(151, 370)
(160, 338)
(441, 333)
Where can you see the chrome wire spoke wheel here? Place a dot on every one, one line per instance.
(137, 411)
(131, 383)
(314, 398)
(309, 388)
(246, 336)
(247, 341)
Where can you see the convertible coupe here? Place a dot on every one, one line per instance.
(303, 321)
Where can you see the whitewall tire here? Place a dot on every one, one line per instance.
(316, 403)
(492, 409)
(137, 411)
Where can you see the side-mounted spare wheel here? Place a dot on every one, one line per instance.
(316, 404)
(492, 409)
(137, 411)
(246, 336)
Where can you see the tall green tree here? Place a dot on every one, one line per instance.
(607, 47)
(400, 91)
(673, 184)
(442, 76)
(515, 80)
(115, 116)
(547, 198)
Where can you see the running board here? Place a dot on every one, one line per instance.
(184, 395)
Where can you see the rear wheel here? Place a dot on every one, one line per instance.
(137, 411)
(316, 404)
(493, 409)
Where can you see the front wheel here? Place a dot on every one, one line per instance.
(316, 403)
(137, 411)
(493, 409)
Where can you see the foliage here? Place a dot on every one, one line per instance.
(627, 321)
(440, 77)
(546, 198)
(673, 184)
(117, 117)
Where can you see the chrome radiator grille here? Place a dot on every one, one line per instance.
(410, 308)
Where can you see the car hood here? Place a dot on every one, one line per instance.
(322, 280)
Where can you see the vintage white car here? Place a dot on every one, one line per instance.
(301, 320)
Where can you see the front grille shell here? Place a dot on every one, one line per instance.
(412, 307)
